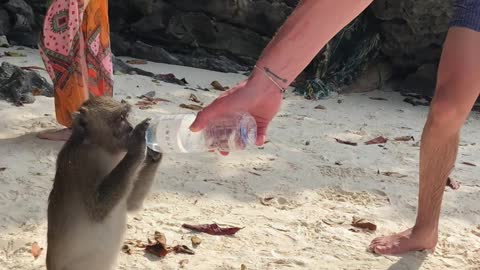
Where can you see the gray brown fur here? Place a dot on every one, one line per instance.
(103, 171)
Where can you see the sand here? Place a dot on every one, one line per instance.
(317, 184)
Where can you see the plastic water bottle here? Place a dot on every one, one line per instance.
(171, 134)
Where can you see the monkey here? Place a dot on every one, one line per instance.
(103, 171)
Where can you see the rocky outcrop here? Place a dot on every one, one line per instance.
(229, 35)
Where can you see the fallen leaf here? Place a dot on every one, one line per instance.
(159, 246)
(320, 107)
(183, 263)
(377, 140)
(137, 62)
(243, 267)
(217, 86)
(36, 92)
(36, 250)
(196, 240)
(362, 224)
(452, 183)
(378, 98)
(194, 98)
(267, 201)
(183, 249)
(338, 163)
(15, 54)
(404, 139)
(191, 107)
(394, 174)
(2, 169)
(126, 249)
(469, 164)
(346, 142)
(212, 229)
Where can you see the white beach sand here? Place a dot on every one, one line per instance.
(312, 195)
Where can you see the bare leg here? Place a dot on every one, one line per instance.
(57, 135)
(458, 86)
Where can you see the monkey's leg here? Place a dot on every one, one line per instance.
(144, 181)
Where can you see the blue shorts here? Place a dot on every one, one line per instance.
(467, 14)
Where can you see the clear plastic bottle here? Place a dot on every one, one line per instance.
(171, 134)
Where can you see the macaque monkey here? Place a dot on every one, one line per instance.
(103, 171)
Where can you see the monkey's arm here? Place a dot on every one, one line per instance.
(144, 181)
(118, 183)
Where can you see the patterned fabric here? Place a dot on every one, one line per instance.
(75, 47)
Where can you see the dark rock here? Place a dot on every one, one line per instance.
(4, 42)
(422, 82)
(201, 59)
(119, 45)
(152, 53)
(199, 30)
(413, 31)
(22, 8)
(261, 16)
(19, 86)
(5, 25)
(121, 67)
(27, 39)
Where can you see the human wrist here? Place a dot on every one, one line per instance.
(264, 79)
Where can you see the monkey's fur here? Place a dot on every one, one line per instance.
(103, 171)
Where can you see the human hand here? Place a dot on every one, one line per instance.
(262, 100)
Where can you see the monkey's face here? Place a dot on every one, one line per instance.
(104, 122)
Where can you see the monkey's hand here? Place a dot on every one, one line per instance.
(153, 156)
(136, 141)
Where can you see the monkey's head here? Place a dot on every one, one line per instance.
(104, 122)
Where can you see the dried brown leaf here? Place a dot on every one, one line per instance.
(137, 62)
(267, 201)
(217, 86)
(191, 107)
(346, 142)
(404, 139)
(320, 107)
(394, 174)
(36, 250)
(2, 169)
(194, 98)
(36, 92)
(362, 224)
(469, 164)
(378, 140)
(159, 246)
(212, 229)
(378, 98)
(182, 249)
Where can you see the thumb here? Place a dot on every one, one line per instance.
(261, 134)
(205, 115)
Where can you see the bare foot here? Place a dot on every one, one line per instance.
(409, 240)
(58, 135)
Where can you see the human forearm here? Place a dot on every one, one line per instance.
(308, 29)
